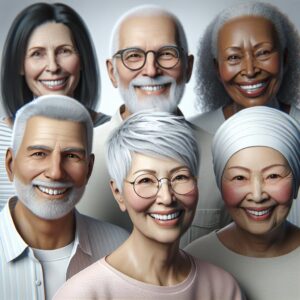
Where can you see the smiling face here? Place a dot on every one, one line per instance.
(249, 60)
(152, 81)
(52, 64)
(166, 216)
(257, 187)
(51, 167)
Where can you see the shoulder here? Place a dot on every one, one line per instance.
(295, 112)
(201, 244)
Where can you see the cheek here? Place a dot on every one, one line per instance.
(282, 192)
(72, 65)
(189, 200)
(232, 195)
(227, 73)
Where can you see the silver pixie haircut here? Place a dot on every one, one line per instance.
(210, 91)
(146, 10)
(157, 134)
(56, 107)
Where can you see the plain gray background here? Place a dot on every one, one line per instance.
(101, 15)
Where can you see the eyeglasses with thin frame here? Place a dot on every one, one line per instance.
(134, 59)
(148, 185)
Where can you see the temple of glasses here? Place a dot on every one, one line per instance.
(134, 59)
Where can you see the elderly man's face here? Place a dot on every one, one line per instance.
(51, 167)
(151, 82)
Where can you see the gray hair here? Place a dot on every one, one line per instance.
(57, 107)
(210, 91)
(146, 10)
(157, 134)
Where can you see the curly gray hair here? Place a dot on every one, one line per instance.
(210, 91)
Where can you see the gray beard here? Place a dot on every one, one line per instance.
(45, 208)
(163, 103)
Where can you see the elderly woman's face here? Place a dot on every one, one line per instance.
(52, 64)
(257, 187)
(163, 217)
(250, 63)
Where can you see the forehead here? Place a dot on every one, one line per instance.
(247, 27)
(147, 32)
(50, 32)
(256, 156)
(50, 132)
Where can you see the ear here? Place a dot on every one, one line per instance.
(9, 164)
(90, 166)
(190, 64)
(118, 195)
(111, 72)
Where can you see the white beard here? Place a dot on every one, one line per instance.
(43, 207)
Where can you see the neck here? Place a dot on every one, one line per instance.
(279, 241)
(43, 234)
(150, 261)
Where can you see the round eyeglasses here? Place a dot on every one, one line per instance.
(134, 59)
(148, 185)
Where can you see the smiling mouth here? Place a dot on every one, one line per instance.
(253, 90)
(152, 88)
(52, 191)
(166, 217)
(259, 213)
(54, 84)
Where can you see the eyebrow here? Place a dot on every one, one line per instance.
(153, 171)
(264, 169)
(46, 148)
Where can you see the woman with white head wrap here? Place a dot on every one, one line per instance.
(256, 156)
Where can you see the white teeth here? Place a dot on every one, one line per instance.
(53, 83)
(259, 213)
(253, 86)
(151, 88)
(166, 217)
(50, 191)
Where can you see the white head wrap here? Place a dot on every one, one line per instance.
(258, 126)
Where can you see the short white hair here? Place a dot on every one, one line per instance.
(147, 11)
(56, 107)
(157, 134)
(210, 91)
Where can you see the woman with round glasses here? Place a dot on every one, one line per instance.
(256, 160)
(153, 160)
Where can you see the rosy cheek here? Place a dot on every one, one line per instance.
(282, 192)
(232, 195)
(189, 200)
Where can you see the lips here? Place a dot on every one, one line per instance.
(165, 217)
(253, 89)
(259, 214)
(54, 84)
(52, 191)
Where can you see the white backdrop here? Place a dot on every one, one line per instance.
(101, 15)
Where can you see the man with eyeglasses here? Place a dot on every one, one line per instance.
(150, 66)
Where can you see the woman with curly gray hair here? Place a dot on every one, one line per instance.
(248, 56)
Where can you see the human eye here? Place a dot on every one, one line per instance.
(263, 54)
(167, 53)
(133, 55)
(233, 58)
(238, 178)
(38, 154)
(273, 176)
(145, 180)
(36, 54)
(183, 176)
(65, 51)
(73, 156)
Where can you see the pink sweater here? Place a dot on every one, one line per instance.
(102, 281)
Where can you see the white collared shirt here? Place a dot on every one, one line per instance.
(21, 274)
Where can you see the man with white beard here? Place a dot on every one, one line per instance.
(150, 64)
(43, 239)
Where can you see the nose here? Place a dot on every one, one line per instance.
(151, 68)
(52, 63)
(165, 194)
(258, 193)
(250, 66)
(55, 170)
